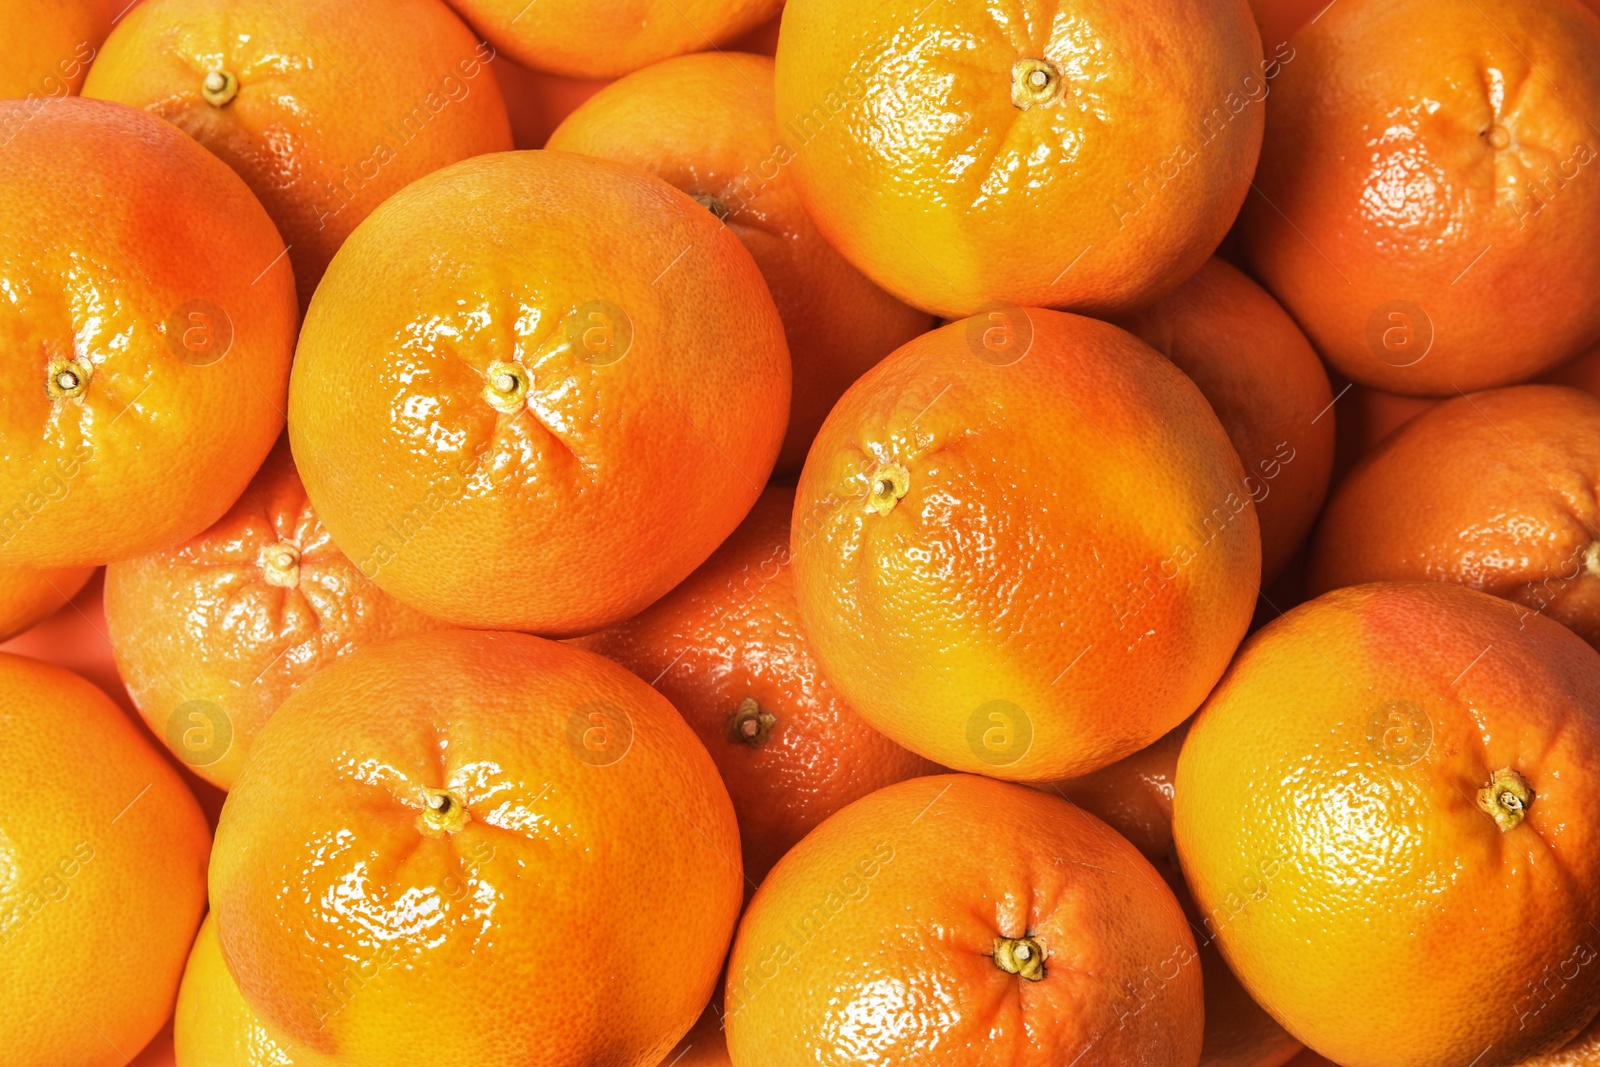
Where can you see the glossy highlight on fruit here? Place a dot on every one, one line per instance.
(1396, 780)
(1422, 205)
(973, 154)
(324, 107)
(994, 607)
(799, 533)
(482, 802)
(212, 635)
(549, 427)
(145, 373)
(955, 920)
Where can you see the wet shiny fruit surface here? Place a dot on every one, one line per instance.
(445, 819)
(751, 533)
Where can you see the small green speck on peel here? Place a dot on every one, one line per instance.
(714, 204)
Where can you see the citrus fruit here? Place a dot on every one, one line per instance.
(74, 638)
(145, 371)
(993, 607)
(1238, 1031)
(214, 1027)
(1420, 178)
(538, 102)
(28, 595)
(325, 107)
(953, 921)
(705, 124)
(1134, 797)
(462, 826)
(574, 38)
(104, 854)
(1265, 384)
(1489, 490)
(212, 635)
(1393, 789)
(727, 648)
(46, 47)
(966, 156)
(569, 389)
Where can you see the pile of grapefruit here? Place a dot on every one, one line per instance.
(966, 533)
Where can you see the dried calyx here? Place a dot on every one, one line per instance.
(219, 88)
(749, 725)
(1506, 799)
(1034, 82)
(889, 484)
(714, 204)
(66, 379)
(280, 564)
(506, 387)
(1020, 956)
(442, 813)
